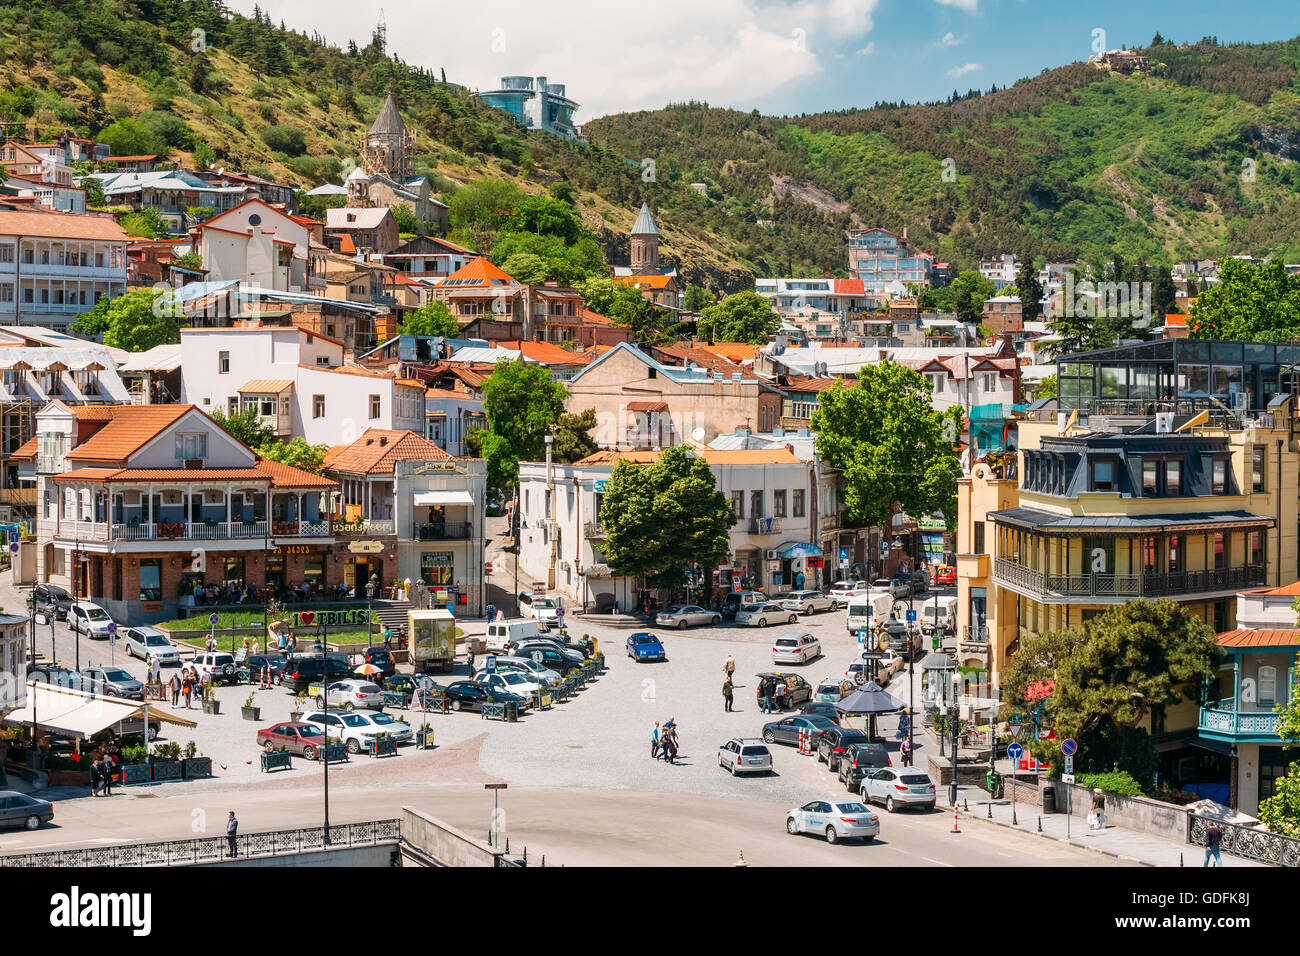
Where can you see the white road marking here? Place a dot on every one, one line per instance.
(937, 862)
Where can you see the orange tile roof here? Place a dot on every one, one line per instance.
(333, 452)
(287, 476)
(479, 268)
(1286, 590)
(806, 383)
(735, 351)
(128, 430)
(347, 370)
(546, 353)
(1176, 320)
(347, 246)
(413, 382)
(700, 357)
(60, 225)
(279, 475)
(263, 386)
(595, 318)
(1262, 637)
(644, 282)
(27, 449)
(376, 451)
(447, 393)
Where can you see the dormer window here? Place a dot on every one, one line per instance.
(1219, 476)
(191, 446)
(1103, 475)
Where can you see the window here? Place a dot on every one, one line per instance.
(796, 506)
(1267, 687)
(1150, 477)
(150, 579)
(651, 373)
(268, 406)
(374, 406)
(1103, 476)
(223, 363)
(1173, 479)
(1257, 548)
(1257, 468)
(6, 292)
(1175, 554)
(738, 503)
(778, 504)
(6, 253)
(1220, 552)
(756, 504)
(989, 382)
(318, 406)
(1150, 555)
(191, 446)
(323, 360)
(1219, 476)
(979, 538)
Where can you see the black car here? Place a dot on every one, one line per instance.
(832, 745)
(468, 695)
(859, 760)
(821, 708)
(257, 663)
(562, 662)
(378, 657)
(305, 671)
(51, 596)
(786, 730)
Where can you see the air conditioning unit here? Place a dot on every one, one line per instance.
(771, 555)
(1164, 423)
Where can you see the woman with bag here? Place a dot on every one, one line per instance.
(1097, 815)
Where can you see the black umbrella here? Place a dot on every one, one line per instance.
(869, 700)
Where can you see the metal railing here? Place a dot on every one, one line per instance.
(1006, 571)
(1249, 843)
(213, 849)
(447, 531)
(764, 526)
(1250, 723)
(189, 531)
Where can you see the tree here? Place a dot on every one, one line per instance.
(1259, 303)
(432, 318)
(1164, 295)
(1109, 673)
(94, 323)
(295, 452)
(1046, 388)
(144, 223)
(141, 319)
(1030, 290)
(573, 440)
(189, 260)
(247, 426)
(663, 519)
(890, 445)
(740, 317)
(522, 405)
(1281, 812)
(969, 290)
(698, 297)
(129, 137)
(628, 308)
(95, 197)
(405, 219)
(528, 268)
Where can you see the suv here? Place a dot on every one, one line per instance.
(806, 602)
(355, 731)
(858, 762)
(51, 596)
(378, 657)
(89, 619)
(112, 682)
(735, 600)
(833, 744)
(305, 671)
(543, 609)
(217, 665)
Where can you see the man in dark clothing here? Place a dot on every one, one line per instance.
(96, 777)
(232, 830)
(1213, 837)
(727, 691)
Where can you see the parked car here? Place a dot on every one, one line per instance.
(470, 695)
(835, 819)
(410, 685)
(687, 615)
(786, 730)
(894, 587)
(945, 576)
(842, 591)
(565, 661)
(797, 690)
(218, 665)
(920, 582)
(860, 671)
(796, 647)
(821, 709)
(861, 760)
(761, 615)
(142, 641)
(20, 810)
(89, 619)
(510, 682)
(111, 682)
(378, 657)
(735, 600)
(899, 787)
(352, 693)
(399, 730)
(295, 736)
(743, 755)
(806, 602)
(56, 676)
(829, 690)
(644, 646)
(530, 669)
(832, 745)
(51, 597)
(276, 664)
(542, 609)
(940, 615)
(307, 670)
(355, 732)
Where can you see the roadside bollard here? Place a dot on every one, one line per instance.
(1040, 824)
(954, 819)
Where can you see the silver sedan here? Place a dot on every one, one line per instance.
(687, 615)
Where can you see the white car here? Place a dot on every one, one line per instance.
(837, 819)
(399, 730)
(797, 647)
(510, 682)
(89, 619)
(142, 641)
(685, 615)
(899, 787)
(745, 755)
(354, 730)
(895, 587)
(352, 693)
(530, 669)
(218, 665)
(806, 602)
(539, 607)
(761, 615)
(841, 591)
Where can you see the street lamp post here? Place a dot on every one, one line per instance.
(325, 751)
(370, 597)
(956, 721)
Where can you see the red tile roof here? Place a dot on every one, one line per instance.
(806, 383)
(376, 451)
(60, 225)
(1286, 590)
(129, 428)
(279, 475)
(595, 318)
(1262, 637)
(705, 359)
(27, 449)
(546, 353)
(850, 287)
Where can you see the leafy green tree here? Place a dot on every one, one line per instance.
(204, 156)
(740, 317)
(527, 268)
(246, 426)
(285, 139)
(1281, 812)
(1030, 290)
(1046, 388)
(573, 440)
(890, 445)
(296, 452)
(546, 216)
(95, 197)
(522, 405)
(189, 260)
(1112, 671)
(628, 308)
(1164, 295)
(94, 323)
(405, 219)
(1258, 303)
(969, 290)
(432, 318)
(141, 319)
(698, 297)
(664, 518)
(129, 137)
(144, 223)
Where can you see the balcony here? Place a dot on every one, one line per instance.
(446, 531)
(1111, 588)
(18, 496)
(169, 530)
(291, 529)
(1222, 722)
(594, 529)
(362, 526)
(764, 526)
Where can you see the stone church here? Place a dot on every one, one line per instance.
(388, 158)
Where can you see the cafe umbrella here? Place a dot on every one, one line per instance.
(869, 701)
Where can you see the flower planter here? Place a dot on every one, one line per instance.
(212, 706)
(424, 739)
(383, 748)
(194, 767)
(69, 778)
(166, 769)
(252, 713)
(295, 715)
(336, 753)
(135, 773)
(277, 760)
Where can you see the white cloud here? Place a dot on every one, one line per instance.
(965, 68)
(948, 39)
(867, 50)
(970, 6)
(608, 55)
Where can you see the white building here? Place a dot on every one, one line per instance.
(1002, 270)
(449, 416)
(54, 266)
(171, 192)
(439, 512)
(298, 381)
(13, 662)
(260, 245)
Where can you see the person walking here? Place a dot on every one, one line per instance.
(762, 696)
(174, 685)
(187, 688)
(469, 659)
(1213, 837)
(654, 742)
(727, 690)
(780, 696)
(730, 667)
(670, 740)
(1097, 815)
(232, 831)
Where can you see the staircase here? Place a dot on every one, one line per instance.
(392, 614)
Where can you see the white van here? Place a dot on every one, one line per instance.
(868, 611)
(499, 633)
(941, 614)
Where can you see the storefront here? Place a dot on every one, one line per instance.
(437, 568)
(801, 566)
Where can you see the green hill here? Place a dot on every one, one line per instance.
(1077, 162)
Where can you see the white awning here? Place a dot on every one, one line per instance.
(426, 498)
(80, 714)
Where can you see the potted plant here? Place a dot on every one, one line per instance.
(299, 702)
(68, 770)
(134, 769)
(193, 764)
(249, 710)
(210, 703)
(166, 762)
(424, 736)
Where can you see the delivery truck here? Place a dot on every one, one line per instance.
(432, 642)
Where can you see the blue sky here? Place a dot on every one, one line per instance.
(779, 56)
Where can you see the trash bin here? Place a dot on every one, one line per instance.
(1049, 798)
(512, 712)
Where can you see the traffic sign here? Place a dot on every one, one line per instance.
(214, 618)
(862, 636)
(559, 612)
(1067, 778)
(112, 627)
(1069, 746)
(537, 657)
(1069, 764)
(1014, 730)
(487, 567)
(13, 547)
(495, 786)
(1015, 751)
(872, 655)
(844, 554)
(911, 615)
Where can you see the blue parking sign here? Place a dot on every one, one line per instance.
(862, 636)
(911, 615)
(844, 554)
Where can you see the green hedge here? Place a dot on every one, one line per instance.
(1117, 781)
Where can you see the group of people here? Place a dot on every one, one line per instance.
(663, 741)
(771, 695)
(188, 683)
(232, 592)
(101, 775)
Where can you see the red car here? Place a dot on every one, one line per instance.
(944, 575)
(295, 736)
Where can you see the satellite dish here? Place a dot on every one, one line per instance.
(698, 434)
(255, 220)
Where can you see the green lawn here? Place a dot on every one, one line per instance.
(226, 642)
